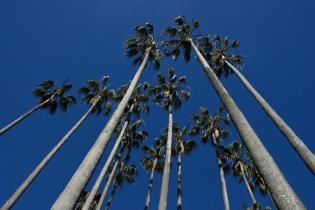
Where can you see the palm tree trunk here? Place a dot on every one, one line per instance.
(110, 200)
(249, 190)
(109, 181)
(22, 117)
(166, 170)
(15, 196)
(67, 199)
(282, 193)
(101, 176)
(303, 151)
(147, 200)
(179, 181)
(223, 185)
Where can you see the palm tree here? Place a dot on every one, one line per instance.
(153, 161)
(181, 37)
(226, 64)
(168, 93)
(137, 104)
(50, 97)
(125, 174)
(211, 128)
(98, 96)
(181, 147)
(132, 138)
(141, 44)
(235, 153)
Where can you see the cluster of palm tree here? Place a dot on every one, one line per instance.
(249, 160)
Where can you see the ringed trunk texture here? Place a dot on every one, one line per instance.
(109, 181)
(179, 182)
(68, 198)
(303, 151)
(22, 117)
(249, 190)
(28, 181)
(147, 200)
(104, 170)
(166, 170)
(223, 185)
(281, 192)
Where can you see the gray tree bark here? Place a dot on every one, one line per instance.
(28, 181)
(68, 198)
(298, 145)
(166, 170)
(104, 170)
(22, 117)
(281, 192)
(147, 200)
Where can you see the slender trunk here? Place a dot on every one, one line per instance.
(222, 177)
(303, 151)
(68, 198)
(107, 185)
(22, 117)
(110, 200)
(249, 190)
(179, 181)
(166, 170)
(15, 196)
(147, 200)
(282, 193)
(101, 176)
(223, 185)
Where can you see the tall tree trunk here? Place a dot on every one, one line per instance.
(71, 193)
(179, 181)
(107, 185)
(282, 193)
(15, 196)
(222, 176)
(147, 200)
(303, 151)
(22, 117)
(101, 176)
(249, 190)
(166, 170)
(223, 185)
(110, 200)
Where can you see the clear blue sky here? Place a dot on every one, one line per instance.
(83, 40)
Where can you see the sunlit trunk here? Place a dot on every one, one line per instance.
(303, 151)
(147, 200)
(22, 117)
(11, 201)
(166, 169)
(68, 198)
(179, 181)
(281, 192)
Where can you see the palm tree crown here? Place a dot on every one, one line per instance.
(98, 92)
(207, 125)
(142, 40)
(179, 36)
(152, 153)
(169, 92)
(48, 90)
(215, 50)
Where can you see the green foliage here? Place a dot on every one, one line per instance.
(178, 37)
(137, 45)
(99, 93)
(209, 126)
(169, 92)
(47, 90)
